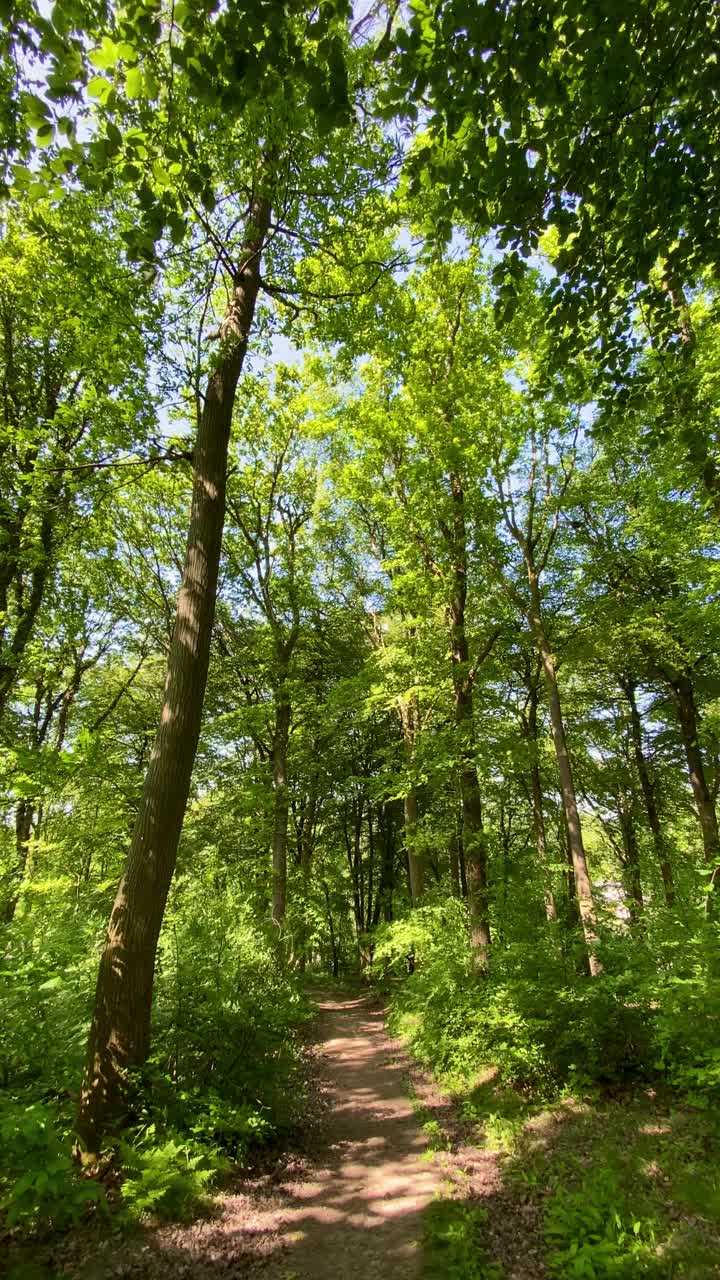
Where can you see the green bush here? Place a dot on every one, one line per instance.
(167, 1178)
(41, 1184)
(226, 1011)
(687, 1033)
(537, 1024)
(593, 1235)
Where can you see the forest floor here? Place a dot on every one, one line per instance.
(350, 1200)
(391, 1178)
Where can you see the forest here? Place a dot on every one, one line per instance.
(360, 639)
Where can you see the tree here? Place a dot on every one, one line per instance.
(242, 172)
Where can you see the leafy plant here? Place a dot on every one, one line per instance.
(168, 1179)
(453, 1243)
(593, 1236)
(42, 1183)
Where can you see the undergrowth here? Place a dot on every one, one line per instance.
(222, 1080)
(453, 1243)
(598, 1095)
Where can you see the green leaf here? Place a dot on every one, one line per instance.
(106, 56)
(99, 87)
(134, 83)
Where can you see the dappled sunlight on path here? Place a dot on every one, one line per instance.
(357, 1209)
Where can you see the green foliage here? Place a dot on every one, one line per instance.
(686, 1024)
(167, 1177)
(41, 1183)
(591, 1238)
(453, 1243)
(625, 1186)
(226, 1012)
(47, 982)
(549, 1030)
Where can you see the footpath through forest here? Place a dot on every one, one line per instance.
(353, 1204)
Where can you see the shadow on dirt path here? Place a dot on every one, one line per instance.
(354, 1209)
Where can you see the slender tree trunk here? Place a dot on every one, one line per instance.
(684, 695)
(648, 791)
(631, 858)
(23, 835)
(369, 901)
(454, 862)
(281, 807)
(120, 1029)
(416, 866)
(331, 930)
(536, 792)
(463, 868)
(473, 835)
(307, 840)
(11, 658)
(408, 709)
(476, 868)
(573, 911)
(567, 786)
(384, 896)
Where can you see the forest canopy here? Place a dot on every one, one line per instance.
(359, 500)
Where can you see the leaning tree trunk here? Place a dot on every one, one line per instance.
(684, 695)
(120, 1029)
(648, 791)
(567, 784)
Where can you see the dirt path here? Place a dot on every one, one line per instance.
(355, 1209)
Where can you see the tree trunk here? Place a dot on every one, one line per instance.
(454, 862)
(281, 807)
(416, 867)
(331, 930)
(11, 657)
(567, 785)
(463, 868)
(473, 835)
(120, 1029)
(631, 861)
(475, 868)
(648, 791)
(384, 896)
(23, 835)
(536, 792)
(684, 696)
(408, 709)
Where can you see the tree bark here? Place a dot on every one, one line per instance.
(567, 784)
(384, 896)
(683, 694)
(631, 859)
(281, 807)
(120, 1029)
(416, 868)
(454, 863)
(23, 835)
(648, 791)
(12, 654)
(407, 707)
(536, 793)
(473, 835)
